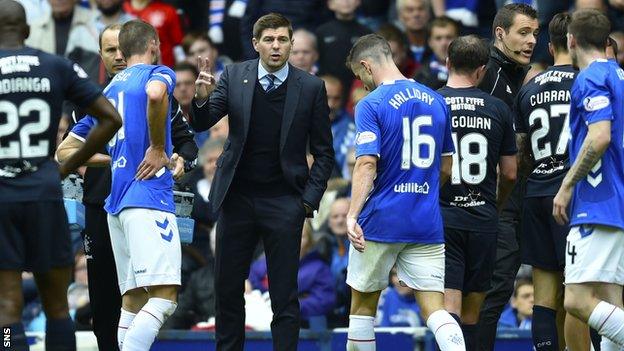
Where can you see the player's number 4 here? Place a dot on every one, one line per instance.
(413, 139)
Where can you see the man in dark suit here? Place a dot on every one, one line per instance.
(263, 186)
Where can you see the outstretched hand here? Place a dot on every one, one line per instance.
(205, 83)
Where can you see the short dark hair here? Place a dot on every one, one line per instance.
(558, 31)
(271, 21)
(372, 46)
(185, 66)
(134, 37)
(443, 21)
(613, 43)
(590, 28)
(505, 16)
(390, 32)
(114, 26)
(520, 283)
(190, 38)
(467, 53)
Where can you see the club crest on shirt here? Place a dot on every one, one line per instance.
(595, 103)
(365, 138)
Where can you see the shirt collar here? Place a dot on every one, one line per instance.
(282, 74)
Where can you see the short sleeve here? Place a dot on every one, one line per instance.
(508, 146)
(448, 148)
(79, 88)
(368, 133)
(596, 98)
(166, 75)
(81, 129)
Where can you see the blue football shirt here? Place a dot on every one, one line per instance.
(407, 126)
(598, 95)
(127, 148)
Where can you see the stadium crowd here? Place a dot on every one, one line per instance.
(419, 33)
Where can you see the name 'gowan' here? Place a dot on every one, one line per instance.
(408, 94)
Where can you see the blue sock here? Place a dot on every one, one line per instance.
(470, 336)
(17, 337)
(544, 329)
(60, 335)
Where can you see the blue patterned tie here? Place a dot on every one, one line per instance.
(271, 86)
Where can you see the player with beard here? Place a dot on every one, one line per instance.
(541, 110)
(484, 141)
(593, 188)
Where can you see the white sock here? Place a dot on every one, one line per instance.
(608, 320)
(147, 323)
(361, 334)
(447, 332)
(125, 319)
(608, 345)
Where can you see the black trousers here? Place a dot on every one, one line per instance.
(508, 260)
(244, 220)
(104, 295)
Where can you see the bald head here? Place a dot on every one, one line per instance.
(13, 25)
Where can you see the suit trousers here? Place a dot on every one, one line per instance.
(104, 295)
(244, 219)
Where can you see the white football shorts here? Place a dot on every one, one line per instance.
(595, 253)
(146, 246)
(419, 266)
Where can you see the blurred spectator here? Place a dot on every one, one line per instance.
(35, 9)
(400, 52)
(373, 13)
(315, 283)
(599, 5)
(463, 11)
(184, 91)
(414, 16)
(68, 30)
(334, 245)
(520, 311)
(342, 124)
(198, 181)
(335, 39)
(397, 306)
(307, 14)
(433, 73)
(164, 18)
(199, 44)
(197, 302)
(304, 54)
(110, 12)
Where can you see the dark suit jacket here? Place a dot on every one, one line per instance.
(306, 118)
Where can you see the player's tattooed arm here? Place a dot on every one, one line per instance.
(364, 174)
(525, 162)
(594, 146)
